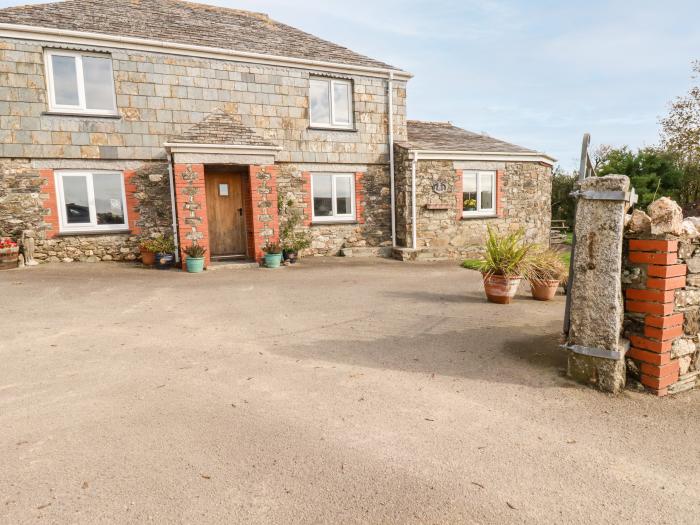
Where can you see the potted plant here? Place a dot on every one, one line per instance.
(273, 255)
(164, 248)
(546, 271)
(293, 240)
(148, 256)
(195, 258)
(504, 265)
(9, 253)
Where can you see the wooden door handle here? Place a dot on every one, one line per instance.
(240, 212)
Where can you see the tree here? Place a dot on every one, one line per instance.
(681, 135)
(653, 172)
(563, 204)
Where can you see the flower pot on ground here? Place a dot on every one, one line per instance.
(289, 256)
(9, 254)
(195, 258)
(504, 264)
(546, 271)
(273, 255)
(164, 249)
(148, 256)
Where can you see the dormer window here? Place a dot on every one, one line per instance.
(80, 83)
(330, 103)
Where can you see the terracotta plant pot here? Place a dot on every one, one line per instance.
(500, 289)
(148, 258)
(544, 290)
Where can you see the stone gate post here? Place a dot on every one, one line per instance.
(596, 349)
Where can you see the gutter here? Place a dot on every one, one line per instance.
(67, 36)
(486, 156)
(173, 206)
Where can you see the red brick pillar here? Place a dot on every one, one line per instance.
(307, 198)
(653, 298)
(132, 202)
(263, 217)
(49, 203)
(191, 202)
(359, 198)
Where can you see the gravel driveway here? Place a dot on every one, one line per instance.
(337, 391)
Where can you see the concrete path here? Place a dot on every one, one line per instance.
(337, 391)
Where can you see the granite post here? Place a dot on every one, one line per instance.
(596, 349)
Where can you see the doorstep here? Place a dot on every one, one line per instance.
(232, 264)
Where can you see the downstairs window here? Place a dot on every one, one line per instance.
(91, 201)
(478, 193)
(333, 197)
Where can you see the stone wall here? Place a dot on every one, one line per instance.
(662, 312)
(372, 229)
(160, 95)
(523, 201)
(27, 204)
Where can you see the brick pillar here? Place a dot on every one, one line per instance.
(49, 203)
(132, 202)
(359, 198)
(651, 299)
(263, 223)
(307, 198)
(459, 187)
(191, 202)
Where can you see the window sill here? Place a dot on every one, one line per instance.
(112, 116)
(73, 233)
(339, 221)
(328, 128)
(479, 216)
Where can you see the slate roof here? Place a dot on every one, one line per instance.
(443, 136)
(221, 128)
(185, 23)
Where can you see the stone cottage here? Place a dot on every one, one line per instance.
(124, 119)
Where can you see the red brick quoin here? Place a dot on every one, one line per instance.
(191, 203)
(651, 350)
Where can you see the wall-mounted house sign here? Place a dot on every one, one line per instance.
(440, 187)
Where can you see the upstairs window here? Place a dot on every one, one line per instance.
(330, 103)
(333, 197)
(80, 83)
(91, 201)
(478, 193)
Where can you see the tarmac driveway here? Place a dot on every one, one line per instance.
(337, 391)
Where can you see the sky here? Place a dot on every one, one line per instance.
(538, 73)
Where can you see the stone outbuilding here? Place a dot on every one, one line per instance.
(451, 184)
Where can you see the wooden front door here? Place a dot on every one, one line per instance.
(225, 214)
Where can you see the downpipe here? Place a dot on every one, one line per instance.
(391, 159)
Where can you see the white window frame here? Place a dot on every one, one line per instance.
(331, 104)
(336, 217)
(480, 212)
(81, 107)
(92, 226)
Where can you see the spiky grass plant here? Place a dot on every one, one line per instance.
(546, 265)
(506, 255)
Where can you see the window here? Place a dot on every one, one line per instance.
(333, 197)
(91, 201)
(330, 103)
(80, 83)
(478, 193)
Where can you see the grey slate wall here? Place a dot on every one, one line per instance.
(160, 95)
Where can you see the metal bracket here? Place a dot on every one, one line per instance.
(614, 355)
(619, 196)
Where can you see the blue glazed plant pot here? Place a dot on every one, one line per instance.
(273, 260)
(164, 261)
(195, 264)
